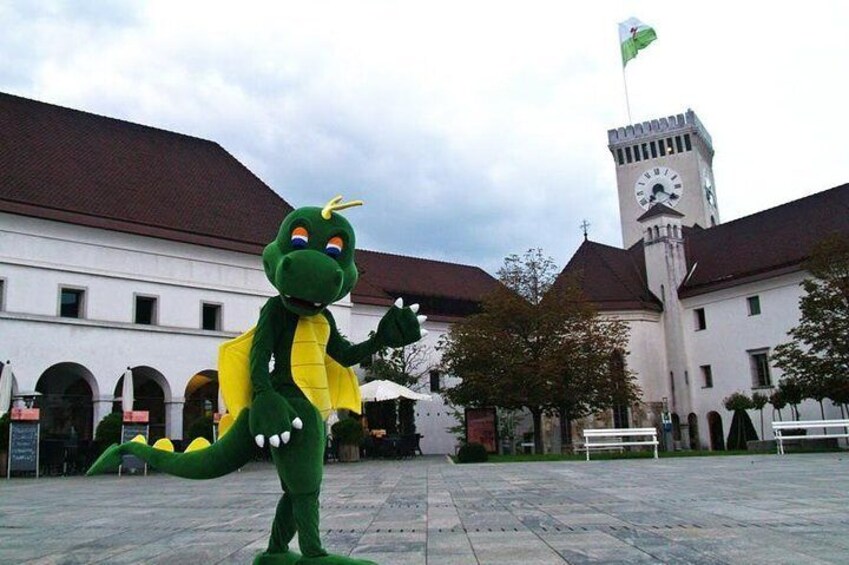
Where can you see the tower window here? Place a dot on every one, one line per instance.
(687, 144)
(678, 144)
(211, 316)
(72, 302)
(653, 147)
(620, 157)
(701, 321)
(2, 294)
(707, 376)
(636, 153)
(645, 151)
(628, 154)
(754, 305)
(145, 310)
(669, 150)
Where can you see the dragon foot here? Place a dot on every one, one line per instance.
(331, 559)
(285, 558)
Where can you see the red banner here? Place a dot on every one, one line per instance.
(25, 414)
(481, 428)
(136, 417)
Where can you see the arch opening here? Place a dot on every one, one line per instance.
(717, 437)
(201, 402)
(150, 392)
(66, 402)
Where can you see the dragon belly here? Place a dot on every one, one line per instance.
(325, 383)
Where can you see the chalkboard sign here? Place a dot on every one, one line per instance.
(131, 462)
(23, 447)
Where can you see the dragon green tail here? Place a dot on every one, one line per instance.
(226, 455)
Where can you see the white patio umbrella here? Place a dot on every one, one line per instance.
(127, 391)
(5, 388)
(375, 391)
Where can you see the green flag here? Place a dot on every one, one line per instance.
(633, 36)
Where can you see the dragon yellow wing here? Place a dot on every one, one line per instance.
(234, 376)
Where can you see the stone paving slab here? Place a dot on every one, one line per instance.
(706, 510)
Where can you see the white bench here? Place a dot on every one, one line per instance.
(617, 438)
(779, 428)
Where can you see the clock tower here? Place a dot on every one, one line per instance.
(666, 161)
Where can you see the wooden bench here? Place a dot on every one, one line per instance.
(617, 438)
(779, 429)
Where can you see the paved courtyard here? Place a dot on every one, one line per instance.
(758, 509)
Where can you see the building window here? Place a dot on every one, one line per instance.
(707, 376)
(754, 305)
(701, 321)
(2, 294)
(72, 302)
(145, 310)
(759, 361)
(434, 381)
(678, 144)
(620, 157)
(645, 152)
(653, 147)
(687, 145)
(211, 316)
(628, 154)
(636, 153)
(620, 416)
(669, 149)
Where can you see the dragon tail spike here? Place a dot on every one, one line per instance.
(228, 454)
(335, 204)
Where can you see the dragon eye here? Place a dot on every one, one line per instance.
(300, 238)
(334, 247)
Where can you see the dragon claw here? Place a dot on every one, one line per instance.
(260, 440)
(399, 303)
(297, 423)
(414, 308)
(274, 441)
(424, 332)
(421, 319)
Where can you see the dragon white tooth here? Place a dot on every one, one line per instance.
(260, 440)
(297, 423)
(274, 441)
(284, 437)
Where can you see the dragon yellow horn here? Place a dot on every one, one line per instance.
(336, 204)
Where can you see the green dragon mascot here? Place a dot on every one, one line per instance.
(311, 265)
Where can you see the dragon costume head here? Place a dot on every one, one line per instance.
(311, 261)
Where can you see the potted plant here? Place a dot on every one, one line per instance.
(348, 433)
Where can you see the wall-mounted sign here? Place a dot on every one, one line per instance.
(25, 414)
(136, 417)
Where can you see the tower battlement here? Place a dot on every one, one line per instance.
(687, 121)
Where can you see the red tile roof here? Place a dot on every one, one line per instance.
(755, 247)
(76, 167)
(764, 244)
(611, 278)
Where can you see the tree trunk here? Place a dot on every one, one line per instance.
(762, 423)
(537, 415)
(565, 431)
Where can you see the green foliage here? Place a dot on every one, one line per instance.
(816, 359)
(347, 431)
(540, 346)
(737, 401)
(759, 400)
(472, 453)
(741, 431)
(202, 427)
(4, 432)
(777, 399)
(109, 430)
(791, 393)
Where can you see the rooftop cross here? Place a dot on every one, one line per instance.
(585, 226)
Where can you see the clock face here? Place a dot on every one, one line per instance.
(658, 185)
(710, 194)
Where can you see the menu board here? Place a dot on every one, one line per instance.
(481, 427)
(131, 462)
(23, 446)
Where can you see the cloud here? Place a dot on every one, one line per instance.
(473, 130)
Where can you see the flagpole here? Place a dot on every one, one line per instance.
(627, 101)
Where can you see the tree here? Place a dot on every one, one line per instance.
(817, 356)
(742, 429)
(536, 348)
(759, 400)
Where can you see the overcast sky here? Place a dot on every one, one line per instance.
(471, 129)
